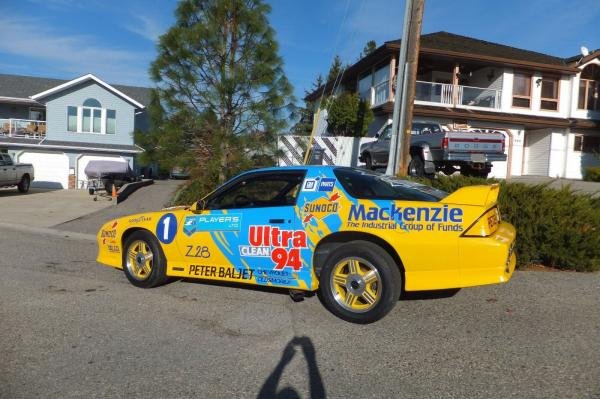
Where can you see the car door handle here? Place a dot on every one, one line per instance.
(276, 220)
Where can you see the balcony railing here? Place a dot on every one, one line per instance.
(23, 128)
(443, 93)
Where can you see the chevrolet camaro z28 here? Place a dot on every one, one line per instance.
(356, 237)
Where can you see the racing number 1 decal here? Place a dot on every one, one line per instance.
(166, 228)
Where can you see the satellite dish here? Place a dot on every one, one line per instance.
(584, 51)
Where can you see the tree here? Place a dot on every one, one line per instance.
(348, 115)
(369, 48)
(304, 115)
(336, 69)
(221, 87)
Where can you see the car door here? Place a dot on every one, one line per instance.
(8, 171)
(381, 149)
(248, 231)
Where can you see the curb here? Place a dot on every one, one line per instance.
(127, 189)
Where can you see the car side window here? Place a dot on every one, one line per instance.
(386, 134)
(258, 191)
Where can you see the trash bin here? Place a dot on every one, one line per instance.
(315, 157)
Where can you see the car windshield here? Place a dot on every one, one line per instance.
(364, 184)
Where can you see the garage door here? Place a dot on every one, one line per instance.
(85, 159)
(51, 169)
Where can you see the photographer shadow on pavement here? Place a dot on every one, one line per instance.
(317, 390)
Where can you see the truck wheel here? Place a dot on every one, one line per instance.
(360, 282)
(23, 185)
(416, 167)
(471, 172)
(108, 186)
(368, 161)
(143, 260)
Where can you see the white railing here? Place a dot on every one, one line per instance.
(23, 128)
(443, 93)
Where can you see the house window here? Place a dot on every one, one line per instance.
(521, 90)
(549, 100)
(587, 144)
(111, 117)
(91, 118)
(589, 89)
(92, 114)
(71, 119)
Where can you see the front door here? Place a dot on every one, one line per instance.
(249, 232)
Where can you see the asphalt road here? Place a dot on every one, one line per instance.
(70, 327)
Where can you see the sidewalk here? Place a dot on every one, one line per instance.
(587, 187)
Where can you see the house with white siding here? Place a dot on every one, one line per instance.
(59, 126)
(547, 107)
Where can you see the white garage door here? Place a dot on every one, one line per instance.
(84, 160)
(51, 170)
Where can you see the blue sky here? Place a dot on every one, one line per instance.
(115, 40)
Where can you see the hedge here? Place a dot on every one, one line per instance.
(556, 228)
(592, 174)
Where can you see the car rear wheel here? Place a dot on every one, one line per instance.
(143, 260)
(360, 282)
(23, 185)
(416, 167)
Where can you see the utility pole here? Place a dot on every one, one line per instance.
(405, 88)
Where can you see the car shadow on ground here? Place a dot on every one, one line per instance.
(426, 295)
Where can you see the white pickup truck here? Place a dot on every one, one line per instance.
(12, 174)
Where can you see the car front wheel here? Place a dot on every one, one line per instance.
(143, 260)
(360, 282)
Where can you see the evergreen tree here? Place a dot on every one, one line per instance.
(221, 87)
(368, 49)
(336, 69)
(304, 115)
(348, 115)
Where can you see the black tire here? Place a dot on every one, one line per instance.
(368, 161)
(140, 271)
(471, 172)
(371, 287)
(108, 186)
(24, 184)
(416, 166)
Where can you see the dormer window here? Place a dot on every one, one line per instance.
(90, 117)
(589, 89)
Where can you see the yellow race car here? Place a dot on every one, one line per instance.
(357, 237)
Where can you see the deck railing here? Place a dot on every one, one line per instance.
(443, 93)
(22, 128)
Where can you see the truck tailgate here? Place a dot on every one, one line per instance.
(473, 142)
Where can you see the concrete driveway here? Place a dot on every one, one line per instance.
(45, 208)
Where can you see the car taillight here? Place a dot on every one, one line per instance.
(486, 225)
(503, 144)
(445, 143)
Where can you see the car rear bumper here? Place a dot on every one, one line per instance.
(488, 260)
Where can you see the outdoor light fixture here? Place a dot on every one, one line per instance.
(538, 82)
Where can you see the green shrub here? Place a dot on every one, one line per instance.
(556, 228)
(592, 174)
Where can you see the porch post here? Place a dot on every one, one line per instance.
(455, 73)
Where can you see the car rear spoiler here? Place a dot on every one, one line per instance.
(485, 196)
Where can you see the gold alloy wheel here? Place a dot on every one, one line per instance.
(139, 260)
(355, 284)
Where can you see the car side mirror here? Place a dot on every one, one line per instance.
(198, 206)
(377, 135)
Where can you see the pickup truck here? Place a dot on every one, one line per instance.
(11, 174)
(432, 149)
